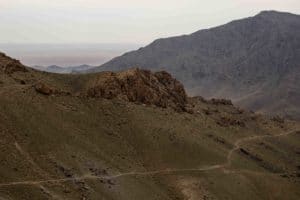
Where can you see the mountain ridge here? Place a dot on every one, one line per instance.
(242, 58)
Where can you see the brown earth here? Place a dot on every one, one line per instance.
(120, 136)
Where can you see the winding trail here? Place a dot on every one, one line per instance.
(237, 145)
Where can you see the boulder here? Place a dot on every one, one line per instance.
(43, 89)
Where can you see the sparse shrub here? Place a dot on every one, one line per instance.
(221, 102)
(227, 121)
(278, 119)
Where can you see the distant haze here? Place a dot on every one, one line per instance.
(76, 22)
(65, 55)
(121, 21)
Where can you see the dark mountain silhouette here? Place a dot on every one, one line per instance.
(253, 61)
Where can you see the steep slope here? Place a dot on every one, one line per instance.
(9, 65)
(60, 142)
(253, 61)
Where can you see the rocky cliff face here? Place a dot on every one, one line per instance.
(141, 86)
(254, 62)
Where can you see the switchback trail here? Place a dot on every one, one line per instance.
(237, 145)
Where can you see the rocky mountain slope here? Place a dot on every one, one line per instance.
(9, 65)
(135, 135)
(253, 61)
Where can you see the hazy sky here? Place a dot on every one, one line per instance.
(121, 21)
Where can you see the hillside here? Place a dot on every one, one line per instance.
(136, 135)
(253, 61)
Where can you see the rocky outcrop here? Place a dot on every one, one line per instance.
(9, 65)
(48, 89)
(140, 86)
(42, 88)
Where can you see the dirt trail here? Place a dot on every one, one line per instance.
(30, 160)
(50, 193)
(93, 177)
(39, 170)
(237, 145)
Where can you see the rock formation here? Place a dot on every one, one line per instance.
(141, 86)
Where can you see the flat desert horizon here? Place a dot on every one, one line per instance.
(66, 55)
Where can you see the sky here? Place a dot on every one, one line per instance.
(121, 21)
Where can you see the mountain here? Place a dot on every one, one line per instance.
(253, 61)
(135, 134)
(63, 70)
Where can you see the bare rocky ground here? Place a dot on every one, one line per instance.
(136, 135)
